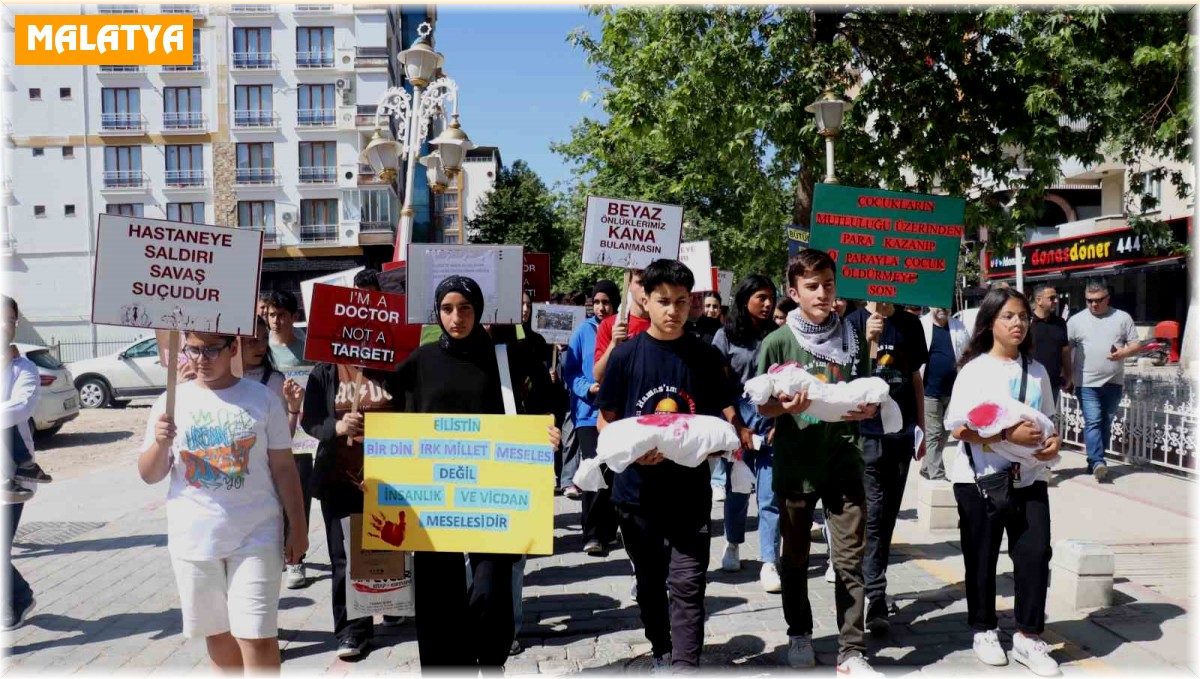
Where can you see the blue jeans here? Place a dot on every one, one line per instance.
(719, 475)
(736, 505)
(1099, 406)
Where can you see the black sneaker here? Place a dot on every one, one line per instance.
(351, 648)
(877, 615)
(15, 492)
(516, 647)
(594, 548)
(17, 618)
(394, 620)
(31, 472)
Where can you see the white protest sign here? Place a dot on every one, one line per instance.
(630, 233)
(343, 279)
(698, 257)
(497, 269)
(725, 283)
(557, 322)
(151, 273)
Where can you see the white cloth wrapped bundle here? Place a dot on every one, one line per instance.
(830, 402)
(988, 418)
(683, 439)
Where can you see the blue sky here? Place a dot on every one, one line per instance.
(519, 80)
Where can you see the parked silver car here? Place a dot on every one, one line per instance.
(58, 400)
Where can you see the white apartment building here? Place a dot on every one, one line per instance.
(263, 130)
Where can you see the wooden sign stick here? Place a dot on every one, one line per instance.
(172, 372)
(354, 400)
(628, 297)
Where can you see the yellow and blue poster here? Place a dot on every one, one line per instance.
(459, 483)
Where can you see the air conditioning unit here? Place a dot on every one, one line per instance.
(288, 218)
(347, 117)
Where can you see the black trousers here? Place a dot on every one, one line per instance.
(335, 506)
(304, 465)
(19, 592)
(599, 515)
(885, 472)
(669, 556)
(457, 627)
(1028, 527)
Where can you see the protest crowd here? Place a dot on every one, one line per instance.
(814, 404)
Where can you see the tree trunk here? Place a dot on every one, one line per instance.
(802, 208)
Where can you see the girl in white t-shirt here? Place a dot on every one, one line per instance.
(997, 363)
(227, 451)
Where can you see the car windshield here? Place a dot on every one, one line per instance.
(42, 358)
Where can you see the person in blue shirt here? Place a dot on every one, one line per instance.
(599, 518)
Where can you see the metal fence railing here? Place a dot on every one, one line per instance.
(1156, 422)
(77, 351)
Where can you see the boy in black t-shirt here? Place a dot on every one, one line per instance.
(664, 507)
(886, 457)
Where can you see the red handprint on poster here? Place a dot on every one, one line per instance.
(391, 533)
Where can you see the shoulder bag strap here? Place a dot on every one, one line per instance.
(1024, 376)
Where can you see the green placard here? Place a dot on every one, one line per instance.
(890, 246)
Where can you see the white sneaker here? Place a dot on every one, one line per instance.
(769, 578)
(296, 577)
(800, 652)
(988, 649)
(661, 664)
(731, 562)
(856, 666)
(830, 574)
(718, 493)
(1034, 654)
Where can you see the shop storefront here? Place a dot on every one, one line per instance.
(1151, 288)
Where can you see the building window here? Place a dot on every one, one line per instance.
(316, 105)
(185, 165)
(314, 47)
(256, 163)
(121, 108)
(125, 209)
(35, 94)
(252, 48)
(68, 151)
(195, 65)
(257, 214)
(68, 210)
(1152, 188)
(39, 210)
(252, 106)
(318, 162)
(123, 167)
(38, 152)
(192, 213)
(319, 220)
(64, 93)
(378, 210)
(181, 108)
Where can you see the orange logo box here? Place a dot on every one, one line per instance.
(104, 40)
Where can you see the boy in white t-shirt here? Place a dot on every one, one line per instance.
(228, 454)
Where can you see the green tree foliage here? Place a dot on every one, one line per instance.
(705, 108)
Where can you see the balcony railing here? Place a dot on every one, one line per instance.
(246, 10)
(123, 179)
(310, 60)
(194, 10)
(183, 120)
(184, 178)
(253, 61)
(255, 119)
(126, 68)
(122, 122)
(256, 176)
(270, 237)
(365, 115)
(119, 9)
(194, 67)
(376, 227)
(314, 9)
(316, 117)
(317, 234)
(318, 175)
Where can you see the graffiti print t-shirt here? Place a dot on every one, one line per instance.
(647, 376)
(222, 497)
(372, 396)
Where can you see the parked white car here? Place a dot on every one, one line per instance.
(133, 372)
(58, 400)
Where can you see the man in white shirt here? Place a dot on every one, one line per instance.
(231, 469)
(19, 383)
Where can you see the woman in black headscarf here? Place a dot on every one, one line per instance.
(458, 626)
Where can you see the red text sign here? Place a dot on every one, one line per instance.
(537, 276)
(359, 327)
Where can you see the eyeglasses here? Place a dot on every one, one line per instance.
(207, 352)
(1052, 298)
(1096, 300)
(1023, 320)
